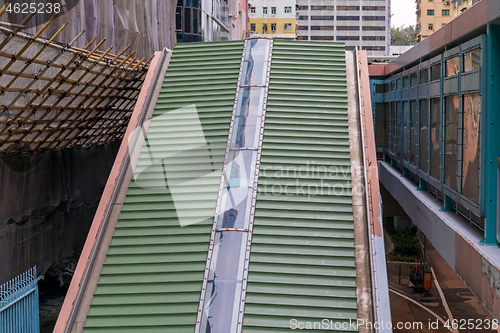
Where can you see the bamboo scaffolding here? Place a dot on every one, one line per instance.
(58, 77)
(72, 100)
(60, 98)
(83, 98)
(112, 101)
(96, 98)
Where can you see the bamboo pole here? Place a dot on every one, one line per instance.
(61, 97)
(110, 104)
(28, 63)
(99, 98)
(15, 31)
(4, 9)
(112, 101)
(33, 99)
(61, 122)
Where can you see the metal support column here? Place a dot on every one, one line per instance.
(492, 134)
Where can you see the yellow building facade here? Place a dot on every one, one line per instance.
(459, 6)
(273, 19)
(273, 27)
(431, 16)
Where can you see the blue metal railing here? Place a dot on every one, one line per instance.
(19, 304)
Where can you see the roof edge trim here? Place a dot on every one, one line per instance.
(372, 190)
(142, 109)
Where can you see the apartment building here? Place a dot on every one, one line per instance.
(460, 6)
(432, 15)
(362, 23)
(274, 19)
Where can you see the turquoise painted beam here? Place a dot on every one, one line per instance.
(491, 133)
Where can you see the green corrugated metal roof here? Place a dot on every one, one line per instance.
(153, 273)
(302, 262)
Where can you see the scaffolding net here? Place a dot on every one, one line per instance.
(54, 95)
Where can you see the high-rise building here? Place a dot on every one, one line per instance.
(211, 20)
(362, 23)
(459, 6)
(431, 16)
(275, 19)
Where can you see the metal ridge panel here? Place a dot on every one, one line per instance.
(302, 262)
(76, 302)
(153, 273)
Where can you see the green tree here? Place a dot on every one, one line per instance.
(403, 35)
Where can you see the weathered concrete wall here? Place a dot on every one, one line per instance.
(482, 277)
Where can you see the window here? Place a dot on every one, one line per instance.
(373, 37)
(264, 10)
(273, 26)
(303, 7)
(347, 28)
(288, 26)
(406, 82)
(322, 27)
(273, 10)
(303, 28)
(413, 121)
(472, 60)
(264, 26)
(373, 7)
(321, 37)
(323, 7)
(431, 26)
(347, 37)
(446, 12)
(322, 18)
(452, 66)
(430, 12)
(424, 75)
(304, 17)
(424, 134)
(288, 9)
(413, 80)
(451, 104)
(252, 10)
(472, 145)
(374, 28)
(252, 26)
(348, 18)
(442, 25)
(373, 18)
(435, 72)
(374, 48)
(347, 7)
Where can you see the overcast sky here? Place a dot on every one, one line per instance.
(403, 13)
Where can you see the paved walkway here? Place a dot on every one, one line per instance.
(469, 314)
